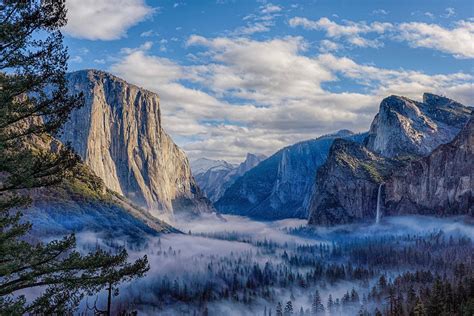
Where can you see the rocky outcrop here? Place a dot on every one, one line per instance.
(80, 202)
(221, 175)
(410, 151)
(406, 127)
(347, 184)
(201, 165)
(84, 204)
(119, 135)
(441, 183)
(281, 185)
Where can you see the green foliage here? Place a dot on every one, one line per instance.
(34, 104)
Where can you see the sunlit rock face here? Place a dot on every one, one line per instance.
(220, 175)
(406, 127)
(421, 153)
(441, 183)
(281, 185)
(347, 185)
(119, 135)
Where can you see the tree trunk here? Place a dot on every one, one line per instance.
(109, 299)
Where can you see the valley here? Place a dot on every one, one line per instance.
(237, 266)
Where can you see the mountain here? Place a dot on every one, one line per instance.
(281, 185)
(82, 202)
(402, 133)
(220, 175)
(119, 135)
(407, 127)
(202, 165)
(347, 184)
(441, 183)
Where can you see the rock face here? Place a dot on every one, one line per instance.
(201, 165)
(81, 202)
(441, 183)
(411, 151)
(281, 185)
(406, 127)
(221, 175)
(347, 184)
(118, 134)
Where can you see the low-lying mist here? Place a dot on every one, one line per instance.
(231, 265)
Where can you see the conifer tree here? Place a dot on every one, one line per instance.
(279, 309)
(34, 104)
(317, 307)
(288, 309)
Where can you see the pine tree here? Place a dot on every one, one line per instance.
(354, 296)
(437, 298)
(34, 103)
(279, 309)
(419, 309)
(288, 309)
(330, 304)
(317, 306)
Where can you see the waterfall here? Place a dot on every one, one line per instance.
(379, 201)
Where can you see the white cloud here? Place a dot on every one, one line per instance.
(350, 31)
(449, 13)
(250, 29)
(76, 59)
(380, 12)
(429, 14)
(270, 8)
(326, 46)
(104, 19)
(457, 41)
(148, 33)
(409, 83)
(243, 95)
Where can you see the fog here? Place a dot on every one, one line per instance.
(213, 248)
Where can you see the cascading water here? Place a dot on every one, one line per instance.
(379, 198)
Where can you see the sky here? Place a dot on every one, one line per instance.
(254, 76)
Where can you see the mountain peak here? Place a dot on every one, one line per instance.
(436, 100)
(407, 127)
(253, 157)
(92, 74)
(119, 135)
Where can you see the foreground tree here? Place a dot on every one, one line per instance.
(34, 103)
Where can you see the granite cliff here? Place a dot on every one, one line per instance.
(441, 183)
(281, 185)
(347, 184)
(119, 135)
(407, 127)
(412, 154)
(215, 180)
(80, 201)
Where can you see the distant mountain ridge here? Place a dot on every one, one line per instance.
(119, 135)
(281, 185)
(220, 174)
(201, 165)
(410, 155)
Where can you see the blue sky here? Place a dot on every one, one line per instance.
(254, 76)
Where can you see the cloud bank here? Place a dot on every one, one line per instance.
(244, 95)
(103, 19)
